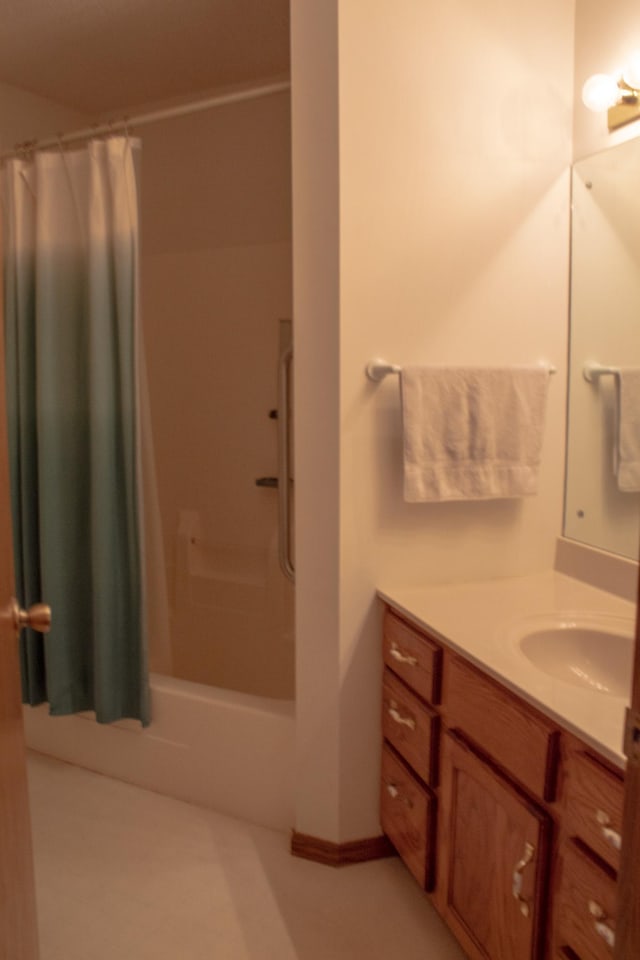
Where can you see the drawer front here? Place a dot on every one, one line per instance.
(412, 656)
(594, 803)
(586, 904)
(410, 726)
(522, 742)
(407, 815)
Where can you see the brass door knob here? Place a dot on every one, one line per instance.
(38, 617)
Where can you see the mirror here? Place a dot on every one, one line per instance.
(604, 330)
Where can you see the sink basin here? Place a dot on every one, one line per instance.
(591, 651)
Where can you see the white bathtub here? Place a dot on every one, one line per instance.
(231, 752)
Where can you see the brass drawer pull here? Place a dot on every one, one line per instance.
(610, 835)
(395, 794)
(401, 657)
(394, 713)
(601, 927)
(516, 887)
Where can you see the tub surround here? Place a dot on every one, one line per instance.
(479, 621)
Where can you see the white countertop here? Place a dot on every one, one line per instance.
(478, 620)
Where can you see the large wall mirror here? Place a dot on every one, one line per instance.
(602, 503)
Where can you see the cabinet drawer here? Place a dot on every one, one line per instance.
(521, 741)
(586, 907)
(407, 815)
(410, 726)
(595, 799)
(412, 656)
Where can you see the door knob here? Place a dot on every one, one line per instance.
(38, 617)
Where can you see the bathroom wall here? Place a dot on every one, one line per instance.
(216, 280)
(605, 34)
(27, 117)
(449, 129)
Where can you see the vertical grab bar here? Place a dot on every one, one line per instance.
(284, 485)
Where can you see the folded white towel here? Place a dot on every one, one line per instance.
(626, 460)
(471, 433)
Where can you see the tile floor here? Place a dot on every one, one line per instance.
(125, 874)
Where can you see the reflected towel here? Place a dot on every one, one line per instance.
(627, 448)
(470, 433)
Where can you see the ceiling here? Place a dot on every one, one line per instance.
(104, 56)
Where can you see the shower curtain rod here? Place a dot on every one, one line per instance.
(142, 119)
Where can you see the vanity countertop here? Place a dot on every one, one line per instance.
(479, 620)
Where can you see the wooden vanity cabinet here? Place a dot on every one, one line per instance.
(594, 797)
(517, 738)
(493, 858)
(584, 887)
(413, 657)
(498, 766)
(511, 822)
(585, 906)
(407, 814)
(411, 686)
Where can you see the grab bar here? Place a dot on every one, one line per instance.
(284, 485)
(267, 482)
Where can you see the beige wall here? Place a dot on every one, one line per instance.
(451, 133)
(316, 308)
(27, 117)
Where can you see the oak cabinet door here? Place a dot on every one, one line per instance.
(493, 858)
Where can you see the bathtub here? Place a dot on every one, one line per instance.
(231, 752)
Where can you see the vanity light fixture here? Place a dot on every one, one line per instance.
(618, 94)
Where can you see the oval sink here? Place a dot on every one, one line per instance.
(594, 652)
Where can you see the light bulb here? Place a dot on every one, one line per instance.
(631, 72)
(600, 92)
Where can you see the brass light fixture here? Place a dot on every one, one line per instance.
(618, 94)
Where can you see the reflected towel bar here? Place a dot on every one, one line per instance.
(593, 371)
(378, 369)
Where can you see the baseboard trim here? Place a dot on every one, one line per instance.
(340, 854)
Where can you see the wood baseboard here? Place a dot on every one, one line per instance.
(340, 854)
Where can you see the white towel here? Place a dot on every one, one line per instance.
(626, 458)
(471, 433)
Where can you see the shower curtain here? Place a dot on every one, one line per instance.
(71, 332)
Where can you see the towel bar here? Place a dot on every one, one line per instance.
(593, 371)
(378, 369)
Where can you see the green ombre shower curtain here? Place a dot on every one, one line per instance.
(71, 331)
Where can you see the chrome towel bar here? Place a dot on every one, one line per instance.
(378, 369)
(593, 371)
